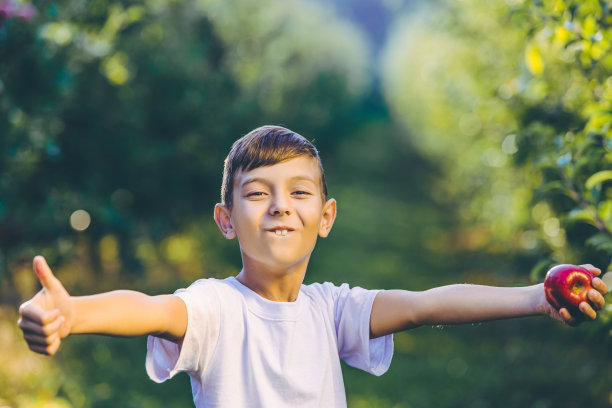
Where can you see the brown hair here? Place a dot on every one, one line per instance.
(265, 146)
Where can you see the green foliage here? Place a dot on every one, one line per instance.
(115, 118)
(570, 41)
(127, 109)
(514, 99)
(444, 70)
(517, 97)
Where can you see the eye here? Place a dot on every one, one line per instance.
(302, 193)
(254, 194)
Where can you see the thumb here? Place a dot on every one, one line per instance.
(44, 274)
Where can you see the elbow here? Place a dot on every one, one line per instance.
(172, 318)
(394, 311)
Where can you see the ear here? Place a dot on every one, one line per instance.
(223, 218)
(328, 217)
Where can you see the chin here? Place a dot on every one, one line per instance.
(286, 262)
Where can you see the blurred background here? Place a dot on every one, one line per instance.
(465, 141)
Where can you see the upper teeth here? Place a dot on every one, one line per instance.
(281, 232)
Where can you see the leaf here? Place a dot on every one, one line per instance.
(589, 26)
(580, 215)
(562, 35)
(559, 6)
(538, 272)
(533, 60)
(601, 241)
(605, 210)
(556, 187)
(598, 178)
(599, 121)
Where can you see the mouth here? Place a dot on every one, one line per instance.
(280, 231)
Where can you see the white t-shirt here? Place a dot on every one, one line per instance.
(242, 350)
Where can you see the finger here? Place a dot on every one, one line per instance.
(597, 300)
(39, 349)
(594, 270)
(54, 326)
(599, 285)
(45, 276)
(37, 339)
(28, 326)
(48, 350)
(35, 313)
(566, 316)
(587, 311)
(52, 349)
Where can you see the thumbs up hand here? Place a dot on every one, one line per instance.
(46, 318)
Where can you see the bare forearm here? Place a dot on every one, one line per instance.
(456, 304)
(396, 310)
(121, 313)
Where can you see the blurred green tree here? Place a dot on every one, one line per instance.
(512, 98)
(514, 101)
(126, 111)
(564, 116)
(115, 118)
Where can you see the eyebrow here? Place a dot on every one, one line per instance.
(264, 181)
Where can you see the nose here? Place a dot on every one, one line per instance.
(280, 205)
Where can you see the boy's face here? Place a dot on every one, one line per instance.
(277, 213)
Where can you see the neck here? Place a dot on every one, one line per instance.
(276, 284)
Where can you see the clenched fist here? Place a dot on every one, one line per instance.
(46, 318)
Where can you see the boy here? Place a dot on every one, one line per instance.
(262, 338)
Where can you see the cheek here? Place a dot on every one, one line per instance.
(312, 219)
(243, 220)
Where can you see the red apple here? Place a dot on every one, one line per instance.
(567, 286)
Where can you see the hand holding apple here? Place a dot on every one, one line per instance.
(574, 290)
(567, 286)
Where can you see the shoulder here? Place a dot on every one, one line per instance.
(208, 284)
(325, 289)
(329, 289)
(208, 290)
(341, 297)
(327, 292)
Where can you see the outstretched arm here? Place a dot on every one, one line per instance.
(53, 314)
(396, 310)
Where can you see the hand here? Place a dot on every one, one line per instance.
(46, 318)
(589, 309)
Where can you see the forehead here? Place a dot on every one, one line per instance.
(303, 168)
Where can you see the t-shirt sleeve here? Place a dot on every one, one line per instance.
(165, 358)
(352, 311)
